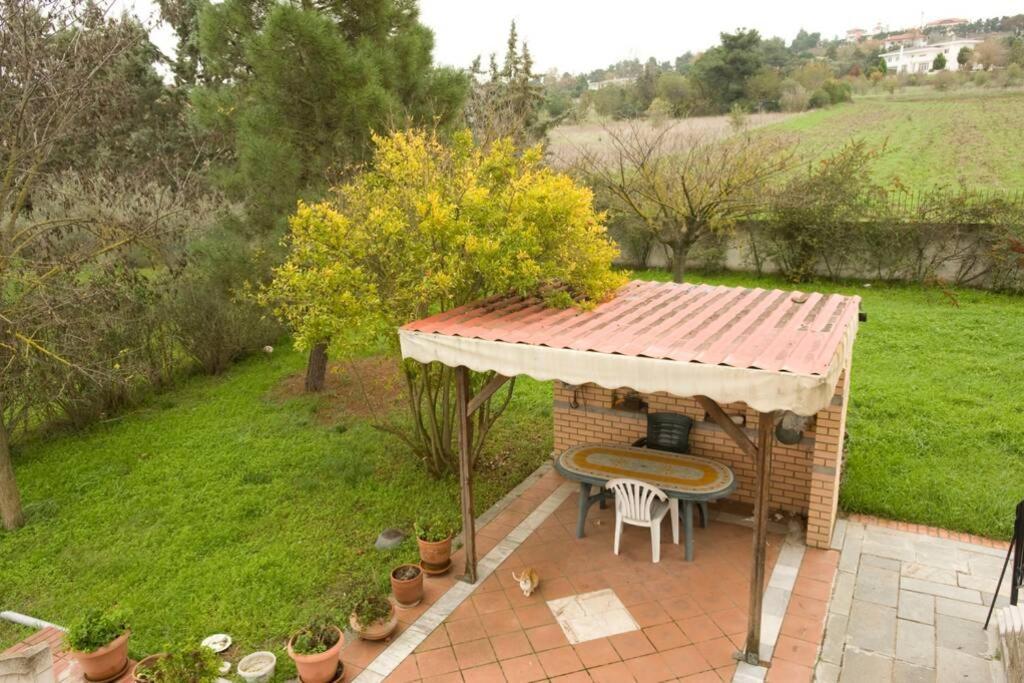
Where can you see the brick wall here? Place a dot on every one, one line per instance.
(805, 476)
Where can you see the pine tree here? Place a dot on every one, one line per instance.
(296, 90)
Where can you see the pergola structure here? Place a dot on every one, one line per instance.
(773, 350)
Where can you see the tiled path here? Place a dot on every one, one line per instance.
(678, 620)
(910, 607)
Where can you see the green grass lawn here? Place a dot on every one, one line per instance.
(217, 507)
(932, 137)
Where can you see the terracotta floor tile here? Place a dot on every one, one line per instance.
(574, 677)
(453, 677)
(465, 630)
(782, 671)
(811, 608)
(439, 661)
(666, 636)
(509, 645)
(546, 637)
(488, 673)
(631, 593)
(703, 677)
(726, 673)
(494, 601)
(682, 608)
(588, 582)
(684, 661)
(796, 651)
(802, 628)
(558, 587)
(732, 620)
(463, 611)
(632, 644)
(523, 669)
(819, 590)
(406, 672)
(437, 638)
(713, 601)
(474, 653)
(496, 623)
(649, 614)
(699, 628)
(718, 652)
(531, 616)
(559, 661)
(594, 653)
(649, 669)
(616, 672)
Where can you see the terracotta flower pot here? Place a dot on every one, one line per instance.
(320, 667)
(143, 664)
(378, 630)
(106, 662)
(437, 554)
(408, 592)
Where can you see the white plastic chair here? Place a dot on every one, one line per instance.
(641, 504)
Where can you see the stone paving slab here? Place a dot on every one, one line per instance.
(908, 607)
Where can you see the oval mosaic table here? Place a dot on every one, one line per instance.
(689, 478)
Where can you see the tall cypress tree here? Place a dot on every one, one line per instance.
(296, 89)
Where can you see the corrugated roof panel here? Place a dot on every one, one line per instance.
(772, 330)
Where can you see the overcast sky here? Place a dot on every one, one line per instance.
(582, 35)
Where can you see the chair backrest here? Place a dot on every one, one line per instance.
(669, 432)
(634, 498)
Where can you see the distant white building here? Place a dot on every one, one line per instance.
(597, 85)
(919, 59)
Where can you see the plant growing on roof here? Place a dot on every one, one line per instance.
(434, 225)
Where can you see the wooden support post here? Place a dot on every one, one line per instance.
(763, 459)
(462, 399)
(716, 413)
(486, 392)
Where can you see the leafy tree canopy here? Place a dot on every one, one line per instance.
(722, 71)
(297, 88)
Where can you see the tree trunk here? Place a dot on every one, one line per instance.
(10, 501)
(316, 368)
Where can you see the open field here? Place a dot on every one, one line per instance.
(566, 142)
(226, 505)
(932, 138)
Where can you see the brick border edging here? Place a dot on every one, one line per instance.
(924, 529)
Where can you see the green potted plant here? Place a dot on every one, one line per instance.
(371, 614)
(180, 664)
(99, 643)
(407, 584)
(435, 541)
(316, 650)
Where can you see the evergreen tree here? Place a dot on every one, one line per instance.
(295, 90)
(722, 71)
(939, 63)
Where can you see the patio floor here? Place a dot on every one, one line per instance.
(630, 619)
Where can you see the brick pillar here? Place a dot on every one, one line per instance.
(827, 466)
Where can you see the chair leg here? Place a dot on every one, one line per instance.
(656, 541)
(673, 512)
(618, 531)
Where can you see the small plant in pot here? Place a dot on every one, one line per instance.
(316, 650)
(371, 614)
(435, 541)
(407, 584)
(99, 643)
(180, 664)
